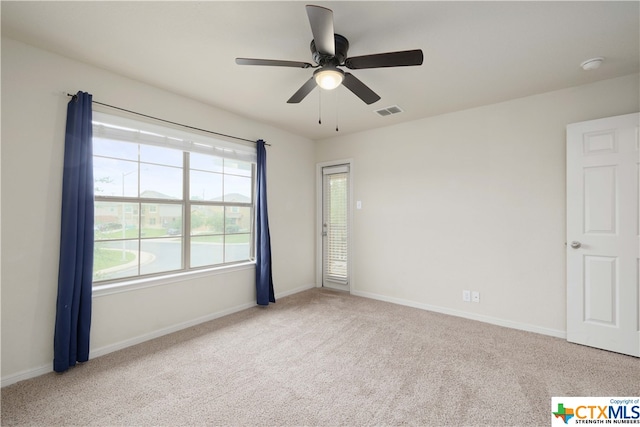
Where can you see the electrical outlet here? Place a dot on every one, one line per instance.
(466, 296)
(475, 296)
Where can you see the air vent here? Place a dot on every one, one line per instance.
(388, 111)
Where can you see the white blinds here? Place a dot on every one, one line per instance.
(335, 224)
(120, 128)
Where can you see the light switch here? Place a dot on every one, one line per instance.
(358, 204)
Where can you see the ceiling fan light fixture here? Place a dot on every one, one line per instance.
(329, 78)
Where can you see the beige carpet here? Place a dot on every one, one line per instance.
(326, 358)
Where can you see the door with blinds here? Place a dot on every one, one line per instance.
(335, 227)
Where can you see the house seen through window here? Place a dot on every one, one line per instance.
(168, 201)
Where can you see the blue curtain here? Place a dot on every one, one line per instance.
(73, 311)
(264, 279)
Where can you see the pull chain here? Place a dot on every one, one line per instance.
(319, 106)
(337, 105)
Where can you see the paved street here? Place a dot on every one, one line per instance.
(159, 255)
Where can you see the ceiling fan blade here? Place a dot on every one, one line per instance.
(272, 62)
(392, 59)
(361, 90)
(303, 91)
(321, 20)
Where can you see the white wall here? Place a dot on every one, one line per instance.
(472, 200)
(33, 121)
(468, 200)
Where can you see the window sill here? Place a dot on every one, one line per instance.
(149, 282)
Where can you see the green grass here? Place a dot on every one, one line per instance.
(130, 234)
(153, 232)
(237, 238)
(107, 258)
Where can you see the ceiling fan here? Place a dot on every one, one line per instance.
(329, 51)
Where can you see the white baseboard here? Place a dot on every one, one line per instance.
(295, 290)
(25, 375)
(184, 325)
(42, 370)
(472, 316)
(101, 351)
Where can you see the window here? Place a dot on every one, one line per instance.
(168, 201)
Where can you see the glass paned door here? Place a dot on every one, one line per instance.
(335, 226)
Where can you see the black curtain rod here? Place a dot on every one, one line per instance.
(168, 121)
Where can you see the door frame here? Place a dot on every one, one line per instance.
(319, 193)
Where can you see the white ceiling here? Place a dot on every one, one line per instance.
(476, 53)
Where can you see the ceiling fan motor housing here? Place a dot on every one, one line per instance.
(322, 59)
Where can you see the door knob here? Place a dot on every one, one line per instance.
(575, 244)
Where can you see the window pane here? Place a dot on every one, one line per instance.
(205, 163)
(160, 182)
(237, 189)
(109, 218)
(205, 186)
(115, 260)
(207, 250)
(161, 220)
(207, 220)
(237, 219)
(159, 255)
(160, 155)
(113, 177)
(237, 167)
(237, 247)
(116, 149)
(140, 204)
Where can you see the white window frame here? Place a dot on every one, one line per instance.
(187, 141)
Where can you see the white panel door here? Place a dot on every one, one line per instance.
(603, 227)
